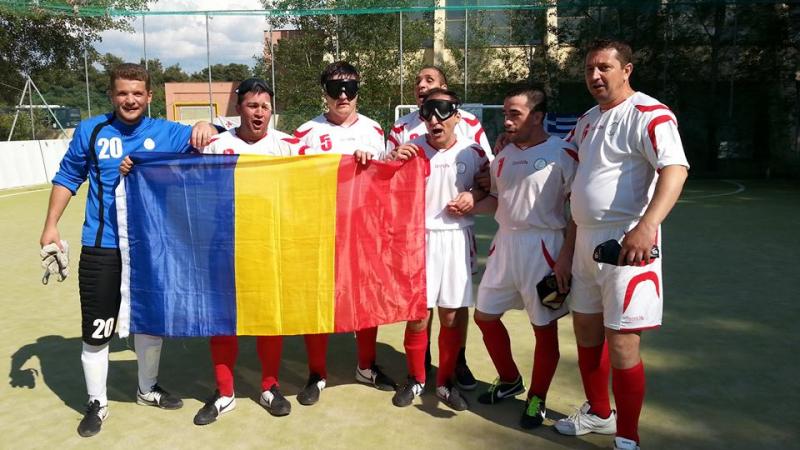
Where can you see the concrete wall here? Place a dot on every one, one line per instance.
(30, 163)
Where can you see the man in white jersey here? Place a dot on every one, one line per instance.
(631, 173)
(410, 127)
(341, 130)
(530, 180)
(453, 163)
(253, 136)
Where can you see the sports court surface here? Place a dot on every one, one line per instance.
(721, 372)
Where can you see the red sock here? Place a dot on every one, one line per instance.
(498, 344)
(594, 365)
(223, 354)
(449, 343)
(628, 386)
(269, 350)
(317, 350)
(366, 342)
(415, 343)
(545, 360)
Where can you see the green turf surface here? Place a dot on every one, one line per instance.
(719, 371)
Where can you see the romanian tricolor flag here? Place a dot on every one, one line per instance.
(260, 245)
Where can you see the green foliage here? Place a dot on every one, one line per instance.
(370, 43)
(223, 72)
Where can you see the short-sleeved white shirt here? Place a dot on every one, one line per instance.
(452, 171)
(273, 143)
(411, 126)
(620, 151)
(532, 184)
(318, 135)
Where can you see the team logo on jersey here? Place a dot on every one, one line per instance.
(149, 144)
(461, 167)
(612, 128)
(540, 164)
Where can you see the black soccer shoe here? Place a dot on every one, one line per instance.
(375, 377)
(93, 419)
(214, 407)
(500, 390)
(275, 402)
(534, 413)
(310, 394)
(158, 397)
(464, 378)
(450, 396)
(406, 394)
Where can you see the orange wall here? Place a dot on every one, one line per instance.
(197, 93)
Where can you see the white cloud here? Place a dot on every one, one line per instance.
(181, 39)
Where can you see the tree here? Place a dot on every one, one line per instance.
(46, 42)
(224, 72)
(369, 42)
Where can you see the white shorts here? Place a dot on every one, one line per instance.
(448, 268)
(630, 297)
(518, 260)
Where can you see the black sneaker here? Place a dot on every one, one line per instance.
(464, 378)
(215, 406)
(375, 377)
(500, 390)
(450, 396)
(405, 395)
(534, 413)
(275, 402)
(310, 394)
(158, 397)
(93, 419)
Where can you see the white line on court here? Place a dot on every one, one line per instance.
(739, 189)
(24, 192)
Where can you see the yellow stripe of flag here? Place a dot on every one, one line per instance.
(285, 216)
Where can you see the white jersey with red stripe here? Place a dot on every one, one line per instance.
(621, 150)
(274, 143)
(318, 135)
(452, 171)
(411, 126)
(532, 184)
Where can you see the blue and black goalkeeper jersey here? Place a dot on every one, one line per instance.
(113, 141)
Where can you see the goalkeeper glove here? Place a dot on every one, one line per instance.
(55, 261)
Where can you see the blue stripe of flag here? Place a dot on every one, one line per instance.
(185, 222)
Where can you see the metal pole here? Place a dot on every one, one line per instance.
(16, 114)
(49, 109)
(466, 52)
(401, 57)
(144, 48)
(86, 74)
(208, 63)
(272, 71)
(30, 103)
(336, 19)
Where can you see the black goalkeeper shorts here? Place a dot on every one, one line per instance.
(99, 274)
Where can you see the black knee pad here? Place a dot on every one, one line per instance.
(99, 274)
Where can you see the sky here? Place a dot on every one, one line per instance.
(182, 39)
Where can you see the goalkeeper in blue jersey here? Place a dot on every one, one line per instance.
(98, 146)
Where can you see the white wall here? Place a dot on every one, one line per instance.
(30, 163)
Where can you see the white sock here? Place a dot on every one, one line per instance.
(94, 359)
(148, 354)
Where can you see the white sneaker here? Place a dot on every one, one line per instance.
(621, 443)
(584, 422)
